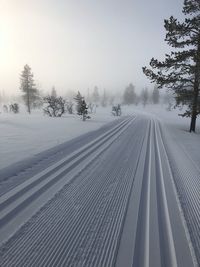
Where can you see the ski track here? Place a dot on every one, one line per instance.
(99, 190)
(24, 194)
(187, 182)
(21, 171)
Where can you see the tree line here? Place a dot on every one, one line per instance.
(56, 106)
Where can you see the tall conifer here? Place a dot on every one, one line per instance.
(27, 86)
(180, 71)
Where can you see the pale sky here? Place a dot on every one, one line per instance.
(77, 44)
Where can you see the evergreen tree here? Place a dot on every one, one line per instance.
(155, 95)
(30, 93)
(82, 108)
(78, 98)
(53, 92)
(180, 70)
(69, 106)
(95, 95)
(129, 96)
(104, 99)
(144, 96)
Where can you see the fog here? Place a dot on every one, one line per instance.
(75, 45)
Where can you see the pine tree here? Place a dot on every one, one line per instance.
(180, 71)
(53, 92)
(104, 99)
(155, 95)
(144, 96)
(95, 95)
(82, 108)
(129, 95)
(78, 100)
(30, 95)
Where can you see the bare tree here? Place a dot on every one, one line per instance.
(54, 106)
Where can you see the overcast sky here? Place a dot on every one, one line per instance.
(77, 44)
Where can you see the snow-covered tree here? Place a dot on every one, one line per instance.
(54, 106)
(82, 108)
(95, 95)
(116, 110)
(144, 96)
(27, 86)
(155, 95)
(129, 96)
(69, 107)
(53, 92)
(78, 98)
(14, 108)
(180, 71)
(104, 99)
(5, 108)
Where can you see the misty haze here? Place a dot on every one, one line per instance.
(100, 133)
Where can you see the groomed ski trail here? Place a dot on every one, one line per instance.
(111, 203)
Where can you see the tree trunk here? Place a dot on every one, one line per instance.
(193, 123)
(196, 92)
(194, 106)
(28, 98)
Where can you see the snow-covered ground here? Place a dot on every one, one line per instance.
(23, 135)
(108, 196)
(177, 128)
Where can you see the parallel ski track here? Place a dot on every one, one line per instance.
(82, 226)
(143, 226)
(142, 243)
(168, 253)
(12, 177)
(187, 182)
(21, 196)
(72, 155)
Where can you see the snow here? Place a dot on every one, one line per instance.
(177, 128)
(87, 190)
(23, 135)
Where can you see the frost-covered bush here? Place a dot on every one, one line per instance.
(54, 106)
(14, 108)
(69, 107)
(116, 110)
